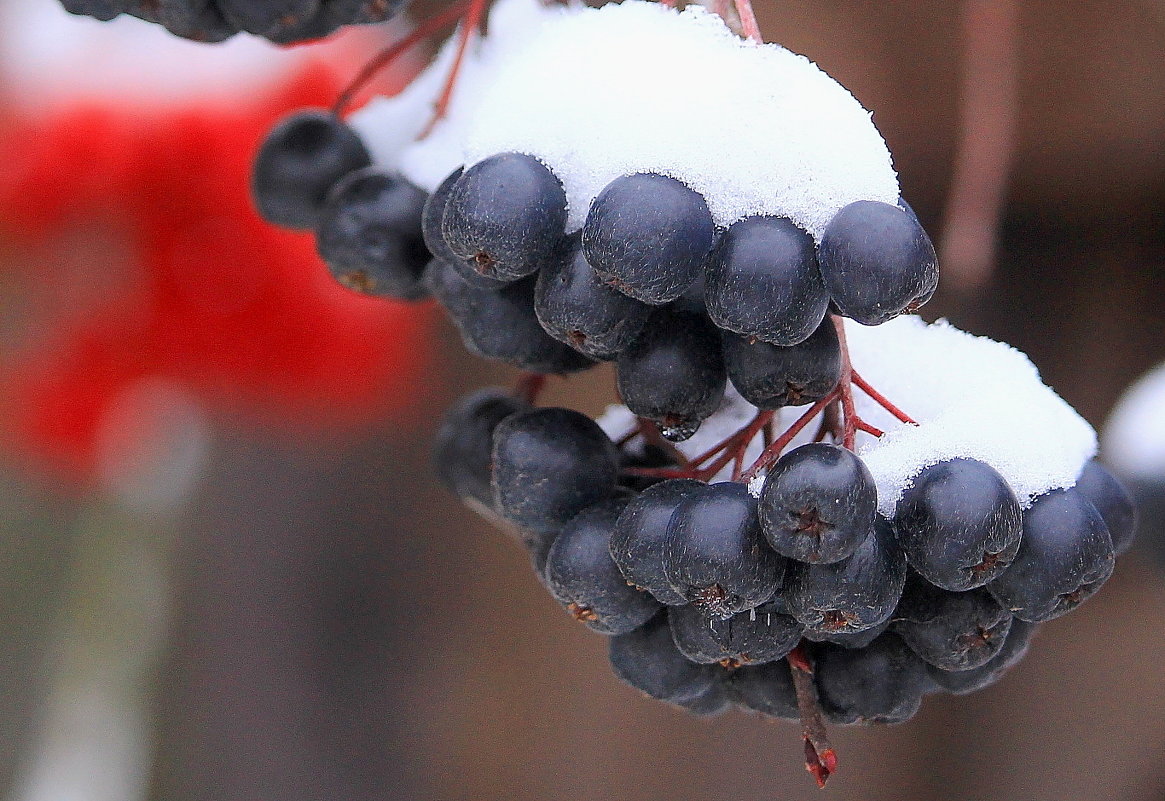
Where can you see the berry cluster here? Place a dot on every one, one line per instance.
(712, 596)
(772, 570)
(282, 21)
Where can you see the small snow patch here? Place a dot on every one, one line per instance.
(634, 87)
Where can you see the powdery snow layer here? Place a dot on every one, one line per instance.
(635, 86)
(972, 397)
(1134, 437)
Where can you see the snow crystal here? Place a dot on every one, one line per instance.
(1134, 437)
(635, 86)
(972, 397)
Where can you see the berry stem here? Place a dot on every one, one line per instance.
(820, 758)
(748, 21)
(879, 398)
(845, 387)
(771, 453)
(763, 419)
(470, 23)
(427, 28)
(652, 436)
(529, 386)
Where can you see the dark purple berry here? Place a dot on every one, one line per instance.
(548, 465)
(951, 630)
(876, 261)
(959, 523)
(881, 683)
(500, 323)
(582, 577)
(771, 376)
(1065, 555)
(299, 162)
(505, 216)
(576, 307)
(763, 634)
(1113, 500)
(673, 373)
(640, 536)
(649, 661)
(648, 236)
(716, 557)
(369, 234)
(852, 595)
(818, 503)
(762, 282)
(463, 447)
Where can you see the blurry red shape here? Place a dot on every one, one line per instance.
(241, 313)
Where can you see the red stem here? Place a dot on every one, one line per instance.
(469, 24)
(820, 756)
(394, 51)
(529, 386)
(845, 387)
(880, 399)
(748, 20)
(773, 451)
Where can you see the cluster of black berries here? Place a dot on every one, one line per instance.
(282, 21)
(706, 590)
(649, 282)
(710, 596)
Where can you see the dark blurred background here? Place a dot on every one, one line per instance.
(313, 618)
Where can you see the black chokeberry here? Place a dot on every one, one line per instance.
(673, 373)
(299, 162)
(763, 634)
(500, 323)
(818, 503)
(716, 556)
(876, 261)
(771, 376)
(576, 307)
(762, 282)
(852, 595)
(959, 524)
(548, 465)
(640, 536)
(369, 234)
(1064, 557)
(505, 216)
(951, 630)
(881, 683)
(649, 236)
(463, 447)
(582, 577)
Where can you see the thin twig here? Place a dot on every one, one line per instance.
(426, 29)
(988, 113)
(469, 26)
(529, 386)
(820, 757)
(748, 20)
(880, 399)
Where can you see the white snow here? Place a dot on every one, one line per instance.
(972, 397)
(635, 86)
(1134, 436)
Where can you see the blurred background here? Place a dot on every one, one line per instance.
(226, 572)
